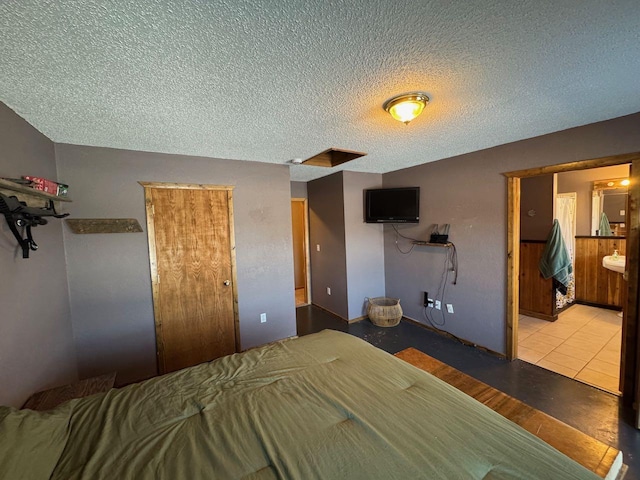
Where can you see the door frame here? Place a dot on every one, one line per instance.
(307, 264)
(630, 373)
(153, 261)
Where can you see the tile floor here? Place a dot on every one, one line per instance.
(584, 344)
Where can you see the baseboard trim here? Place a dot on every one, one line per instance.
(358, 319)
(541, 316)
(329, 311)
(453, 337)
(599, 305)
(353, 320)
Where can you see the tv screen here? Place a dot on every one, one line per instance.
(392, 205)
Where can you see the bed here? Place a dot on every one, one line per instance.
(325, 406)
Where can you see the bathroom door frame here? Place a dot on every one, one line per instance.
(630, 368)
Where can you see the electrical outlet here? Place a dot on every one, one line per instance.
(328, 290)
(263, 318)
(449, 308)
(438, 305)
(318, 247)
(430, 302)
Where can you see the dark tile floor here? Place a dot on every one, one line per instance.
(588, 409)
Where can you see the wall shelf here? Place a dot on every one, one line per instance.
(25, 208)
(429, 244)
(16, 187)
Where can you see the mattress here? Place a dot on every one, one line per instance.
(325, 406)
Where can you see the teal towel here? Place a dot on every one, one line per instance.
(555, 261)
(605, 228)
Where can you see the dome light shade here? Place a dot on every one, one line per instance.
(406, 107)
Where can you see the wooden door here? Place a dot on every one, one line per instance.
(193, 273)
(299, 225)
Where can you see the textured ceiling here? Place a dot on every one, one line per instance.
(273, 80)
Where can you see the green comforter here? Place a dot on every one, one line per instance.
(325, 406)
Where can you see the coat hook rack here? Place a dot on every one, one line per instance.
(18, 214)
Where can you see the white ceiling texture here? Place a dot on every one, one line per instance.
(273, 80)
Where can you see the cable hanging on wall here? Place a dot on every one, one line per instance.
(450, 266)
(399, 235)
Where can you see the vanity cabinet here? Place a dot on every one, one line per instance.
(596, 285)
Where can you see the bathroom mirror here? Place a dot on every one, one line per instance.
(609, 197)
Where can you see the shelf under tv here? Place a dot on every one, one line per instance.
(429, 244)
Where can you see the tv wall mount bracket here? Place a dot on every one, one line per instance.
(19, 215)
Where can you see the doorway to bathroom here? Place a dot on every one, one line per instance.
(573, 329)
(629, 377)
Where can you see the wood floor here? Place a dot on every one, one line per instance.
(598, 457)
(301, 297)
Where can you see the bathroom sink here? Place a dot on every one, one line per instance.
(614, 264)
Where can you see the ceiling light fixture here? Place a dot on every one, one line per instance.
(407, 106)
(625, 182)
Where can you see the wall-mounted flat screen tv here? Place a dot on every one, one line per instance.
(392, 205)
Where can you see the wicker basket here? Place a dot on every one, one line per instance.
(384, 312)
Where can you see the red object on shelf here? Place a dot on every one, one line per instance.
(42, 184)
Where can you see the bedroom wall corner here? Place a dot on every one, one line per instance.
(36, 342)
(364, 244)
(327, 244)
(109, 274)
(298, 189)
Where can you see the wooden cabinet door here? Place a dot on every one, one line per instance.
(193, 275)
(595, 284)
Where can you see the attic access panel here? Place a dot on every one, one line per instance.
(333, 157)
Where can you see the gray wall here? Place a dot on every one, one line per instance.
(298, 189)
(581, 182)
(536, 193)
(36, 340)
(327, 229)
(470, 193)
(364, 244)
(615, 206)
(109, 277)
